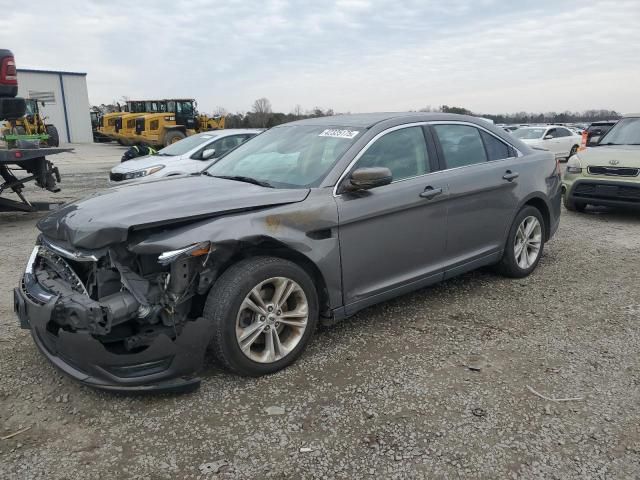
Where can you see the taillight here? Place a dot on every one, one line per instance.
(8, 75)
(583, 142)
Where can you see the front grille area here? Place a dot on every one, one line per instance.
(602, 190)
(116, 177)
(613, 171)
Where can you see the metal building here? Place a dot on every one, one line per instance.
(66, 101)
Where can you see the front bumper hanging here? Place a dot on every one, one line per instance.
(165, 365)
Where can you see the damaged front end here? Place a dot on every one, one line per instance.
(115, 320)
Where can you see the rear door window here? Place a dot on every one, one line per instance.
(461, 145)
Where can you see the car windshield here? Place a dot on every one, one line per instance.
(625, 132)
(528, 133)
(289, 156)
(186, 145)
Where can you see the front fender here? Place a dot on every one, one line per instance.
(309, 228)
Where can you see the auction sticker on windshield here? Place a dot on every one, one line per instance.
(338, 133)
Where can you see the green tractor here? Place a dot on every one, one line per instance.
(31, 128)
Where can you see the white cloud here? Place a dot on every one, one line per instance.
(352, 55)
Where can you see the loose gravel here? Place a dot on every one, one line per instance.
(435, 384)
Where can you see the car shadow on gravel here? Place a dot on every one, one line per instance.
(624, 215)
(17, 219)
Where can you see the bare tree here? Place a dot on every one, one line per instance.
(262, 111)
(297, 111)
(220, 112)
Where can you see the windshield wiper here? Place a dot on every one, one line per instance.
(242, 178)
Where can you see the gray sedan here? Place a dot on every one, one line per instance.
(308, 222)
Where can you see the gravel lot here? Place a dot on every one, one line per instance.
(386, 394)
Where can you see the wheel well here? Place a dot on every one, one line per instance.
(275, 249)
(541, 205)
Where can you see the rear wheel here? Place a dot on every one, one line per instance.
(524, 244)
(173, 136)
(54, 137)
(263, 312)
(573, 151)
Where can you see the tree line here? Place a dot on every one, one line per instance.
(262, 115)
(586, 116)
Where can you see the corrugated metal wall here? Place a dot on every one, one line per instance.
(66, 102)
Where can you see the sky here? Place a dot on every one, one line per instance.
(489, 56)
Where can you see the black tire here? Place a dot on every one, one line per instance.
(224, 302)
(54, 137)
(173, 136)
(508, 265)
(572, 152)
(572, 205)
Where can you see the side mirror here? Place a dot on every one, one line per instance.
(208, 153)
(367, 178)
(548, 137)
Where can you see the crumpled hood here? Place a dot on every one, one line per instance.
(620, 155)
(106, 218)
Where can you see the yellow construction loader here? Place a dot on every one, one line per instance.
(178, 121)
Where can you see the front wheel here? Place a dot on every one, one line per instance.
(173, 137)
(572, 205)
(524, 244)
(572, 152)
(54, 137)
(263, 312)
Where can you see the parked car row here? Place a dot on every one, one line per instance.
(308, 222)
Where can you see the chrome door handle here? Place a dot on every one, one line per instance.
(431, 192)
(510, 176)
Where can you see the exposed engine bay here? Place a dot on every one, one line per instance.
(123, 300)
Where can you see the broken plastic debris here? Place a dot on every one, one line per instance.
(212, 467)
(476, 362)
(275, 410)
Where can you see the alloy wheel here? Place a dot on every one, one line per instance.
(528, 242)
(272, 320)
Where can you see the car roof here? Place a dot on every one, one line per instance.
(368, 120)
